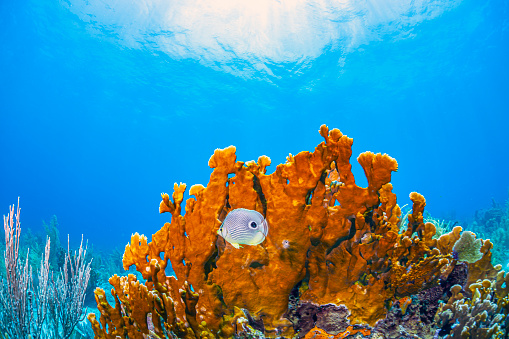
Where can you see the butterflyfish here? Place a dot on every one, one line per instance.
(243, 226)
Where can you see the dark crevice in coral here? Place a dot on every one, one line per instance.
(190, 300)
(221, 214)
(315, 242)
(210, 264)
(323, 176)
(293, 301)
(368, 218)
(309, 196)
(256, 264)
(363, 280)
(226, 208)
(227, 202)
(256, 324)
(347, 237)
(258, 188)
(306, 266)
(220, 295)
(458, 276)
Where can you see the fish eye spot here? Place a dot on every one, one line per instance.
(253, 224)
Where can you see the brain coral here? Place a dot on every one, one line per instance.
(330, 241)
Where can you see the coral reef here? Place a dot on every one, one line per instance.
(52, 306)
(334, 260)
(476, 317)
(442, 226)
(104, 265)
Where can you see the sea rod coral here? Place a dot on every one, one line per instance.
(50, 308)
(330, 242)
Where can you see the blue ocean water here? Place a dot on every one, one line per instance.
(104, 105)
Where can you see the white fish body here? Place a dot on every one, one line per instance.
(243, 226)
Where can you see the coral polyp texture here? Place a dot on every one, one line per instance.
(330, 242)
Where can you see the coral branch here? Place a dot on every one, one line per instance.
(330, 242)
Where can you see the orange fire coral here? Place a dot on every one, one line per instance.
(332, 240)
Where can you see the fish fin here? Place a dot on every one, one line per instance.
(219, 231)
(237, 246)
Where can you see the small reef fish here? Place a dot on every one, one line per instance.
(243, 226)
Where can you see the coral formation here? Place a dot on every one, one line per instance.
(51, 306)
(467, 248)
(442, 226)
(478, 317)
(330, 242)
